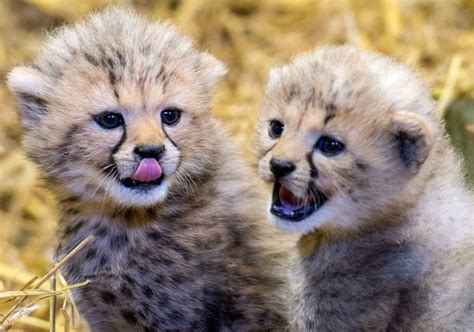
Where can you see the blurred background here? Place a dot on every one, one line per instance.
(436, 37)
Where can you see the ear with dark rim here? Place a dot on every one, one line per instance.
(414, 138)
(213, 69)
(29, 87)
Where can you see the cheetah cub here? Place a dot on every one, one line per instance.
(362, 170)
(116, 112)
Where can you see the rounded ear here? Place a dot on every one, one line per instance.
(29, 87)
(213, 69)
(414, 139)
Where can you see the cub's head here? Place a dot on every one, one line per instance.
(116, 107)
(343, 136)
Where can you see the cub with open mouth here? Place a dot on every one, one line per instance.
(361, 168)
(116, 112)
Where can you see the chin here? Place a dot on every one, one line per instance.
(145, 195)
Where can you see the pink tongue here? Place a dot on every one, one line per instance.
(289, 199)
(148, 170)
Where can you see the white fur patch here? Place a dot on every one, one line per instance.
(28, 81)
(136, 197)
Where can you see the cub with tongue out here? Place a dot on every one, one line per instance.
(116, 113)
(362, 170)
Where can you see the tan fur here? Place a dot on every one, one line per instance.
(184, 255)
(393, 246)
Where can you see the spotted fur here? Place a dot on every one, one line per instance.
(185, 255)
(393, 246)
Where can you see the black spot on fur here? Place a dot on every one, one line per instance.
(147, 291)
(132, 261)
(63, 148)
(180, 249)
(216, 309)
(93, 61)
(163, 299)
(70, 199)
(91, 253)
(104, 260)
(113, 80)
(331, 108)
(129, 316)
(292, 92)
(361, 165)
(126, 291)
(236, 236)
(73, 228)
(176, 315)
(101, 231)
(108, 297)
(129, 279)
(119, 240)
(121, 59)
(142, 315)
(146, 307)
(313, 170)
(154, 235)
(161, 72)
(72, 211)
(143, 269)
(310, 100)
(151, 213)
(128, 214)
(179, 278)
(329, 117)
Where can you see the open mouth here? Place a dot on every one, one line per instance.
(130, 183)
(147, 175)
(287, 206)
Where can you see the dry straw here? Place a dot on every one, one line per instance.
(250, 36)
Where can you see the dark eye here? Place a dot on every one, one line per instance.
(275, 129)
(109, 120)
(170, 116)
(329, 146)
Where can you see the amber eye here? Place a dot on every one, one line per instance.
(109, 120)
(170, 116)
(275, 129)
(329, 146)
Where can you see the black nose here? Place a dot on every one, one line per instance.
(150, 151)
(281, 168)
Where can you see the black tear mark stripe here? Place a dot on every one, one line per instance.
(168, 136)
(268, 150)
(112, 170)
(313, 170)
